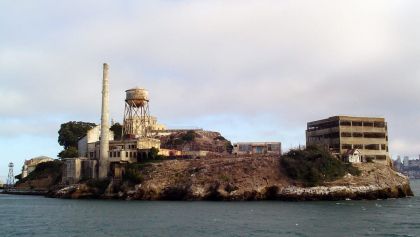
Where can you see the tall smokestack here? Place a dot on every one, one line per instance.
(104, 145)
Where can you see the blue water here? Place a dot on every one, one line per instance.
(38, 216)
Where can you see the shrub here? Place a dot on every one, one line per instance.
(44, 170)
(314, 165)
(100, 185)
(189, 136)
(69, 152)
(133, 176)
(133, 172)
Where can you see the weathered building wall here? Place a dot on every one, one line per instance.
(84, 145)
(343, 133)
(252, 148)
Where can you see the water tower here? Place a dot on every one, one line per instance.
(136, 113)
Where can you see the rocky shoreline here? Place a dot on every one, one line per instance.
(246, 178)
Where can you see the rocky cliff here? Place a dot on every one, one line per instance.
(245, 178)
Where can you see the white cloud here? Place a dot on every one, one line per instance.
(282, 63)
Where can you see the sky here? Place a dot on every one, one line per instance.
(252, 70)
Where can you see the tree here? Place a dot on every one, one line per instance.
(71, 132)
(68, 136)
(117, 129)
(153, 153)
(315, 165)
(69, 152)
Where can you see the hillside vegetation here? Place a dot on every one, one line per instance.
(315, 165)
(45, 175)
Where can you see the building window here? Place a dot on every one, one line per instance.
(331, 135)
(379, 124)
(126, 154)
(374, 135)
(346, 146)
(346, 134)
(357, 123)
(383, 146)
(345, 123)
(118, 154)
(357, 134)
(372, 147)
(367, 124)
(380, 157)
(358, 146)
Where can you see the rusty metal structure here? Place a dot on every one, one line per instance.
(136, 114)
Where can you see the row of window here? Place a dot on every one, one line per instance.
(365, 135)
(362, 124)
(333, 124)
(367, 146)
(349, 134)
(130, 154)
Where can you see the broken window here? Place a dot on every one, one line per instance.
(346, 134)
(357, 134)
(367, 124)
(380, 157)
(379, 124)
(374, 135)
(345, 123)
(346, 146)
(357, 123)
(372, 147)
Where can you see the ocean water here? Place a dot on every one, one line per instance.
(38, 216)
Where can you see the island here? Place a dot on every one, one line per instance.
(299, 175)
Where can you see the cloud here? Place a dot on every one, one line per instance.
(252, 69)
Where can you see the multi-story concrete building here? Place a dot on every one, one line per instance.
(251, 148)
(343, 133)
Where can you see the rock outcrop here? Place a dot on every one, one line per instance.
(251, 178)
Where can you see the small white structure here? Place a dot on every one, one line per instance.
(87, 143)
(353, 156)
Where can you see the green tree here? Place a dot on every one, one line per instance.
(69, 152)
(71, 132)
(189, 136)
(315, 165)
(153, 153)
(117, 129)
(68, 136)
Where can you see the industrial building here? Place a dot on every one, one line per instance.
(366, 137)
(257, 148)
(101, 156)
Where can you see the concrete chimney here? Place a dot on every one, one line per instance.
(104, 143)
